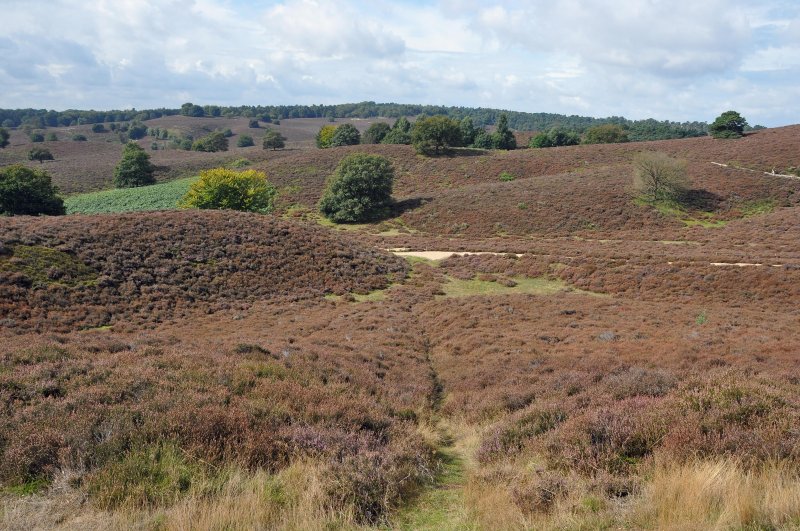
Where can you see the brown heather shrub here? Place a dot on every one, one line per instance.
(158, 266)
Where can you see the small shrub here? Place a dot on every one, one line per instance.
(213, 142)
(79, 138)
(253, 124)
(245, 141)
(221, 188)
(40, 154)
(240, 163)
(98, 128)
(37, 137)
(506, 177)
(52, 137)
(657, 176)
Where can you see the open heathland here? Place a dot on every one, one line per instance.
(546, 350)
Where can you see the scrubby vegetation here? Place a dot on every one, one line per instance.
(359, 190)
(163, 196)
(220, 188)
(27, 191)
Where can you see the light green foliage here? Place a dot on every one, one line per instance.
(163, 196)
(325, 136)
(467, 288)
(729, 124)
(359, 190)
(506, 176)
(274, 140)
(435, 133)
(221, 188)
(27, 191)
(212, 142)
(134, 169)
(605, 134)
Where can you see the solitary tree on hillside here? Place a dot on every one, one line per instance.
(28, 191)
(359, 190)
(245, 141)
(134, 169)
(657, 176)
(429, 135)
(274, 140)
(40, 154)
(729, 124)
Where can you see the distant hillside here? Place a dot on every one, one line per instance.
(522, 121)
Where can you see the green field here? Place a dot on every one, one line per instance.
(164, 196)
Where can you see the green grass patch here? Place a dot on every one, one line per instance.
(44, 266)
(163, 196)
(755, 208)
(153, 476)
(671, 208)
(535, 286)
(28, 488)
(440, 507)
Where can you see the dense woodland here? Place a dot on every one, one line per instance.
(649, 129)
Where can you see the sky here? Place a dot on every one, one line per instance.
(678, 60)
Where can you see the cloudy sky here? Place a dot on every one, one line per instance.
(667, 59)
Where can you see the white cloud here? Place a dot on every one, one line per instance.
(637, 58)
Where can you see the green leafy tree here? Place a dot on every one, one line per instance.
(245, 141)
(37, 137)
(400, 133)
(468, 131)
(346, 135)
(98, 128)
(503, 136)
(134, 169)
(605, 134)
(325, 136)
(40, 154)
(435, 133)
(729, 124)
(221, 188)
(190, 109)
(253, 124)
(212, 142)
(657, 176)
(375, 133)
(3, 137)
(359, 190)
(137, 131)
(274, 140)
(554, 138)
(483, 140)
(28, 191)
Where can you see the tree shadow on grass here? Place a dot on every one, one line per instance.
(399, 208)
(700, 200)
